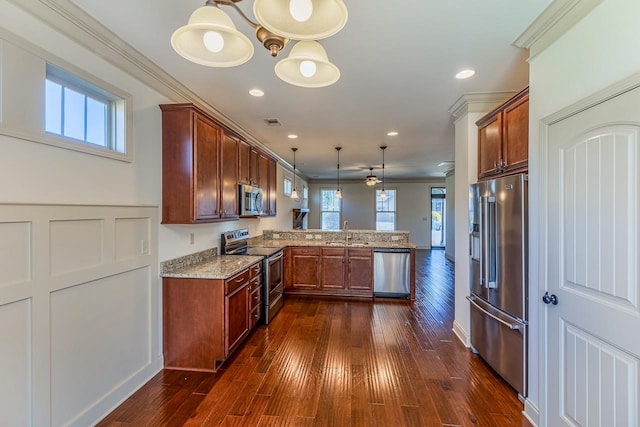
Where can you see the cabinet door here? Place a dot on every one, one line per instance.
(254, 157)
(244, 159)
(229, 176)
(205, 186)
(236, 317)
(490, 145)
(273, 186)
(360, 270)
(305, 266)
(333, 270)
(263, 173)
(515, 146)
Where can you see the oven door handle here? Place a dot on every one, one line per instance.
(276, 257)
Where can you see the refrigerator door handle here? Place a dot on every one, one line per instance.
(513, 326)
(492, 230)
(481, 255)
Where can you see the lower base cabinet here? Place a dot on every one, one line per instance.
(205, 320)
(329, 271)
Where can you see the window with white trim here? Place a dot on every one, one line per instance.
(288, 185)
(386, 210)
(82, 112)
(330, 208)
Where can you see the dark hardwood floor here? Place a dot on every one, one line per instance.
(325, 362)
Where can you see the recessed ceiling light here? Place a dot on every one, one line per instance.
(256, 92)
(392, 133)
(292, 136)
(465, 74)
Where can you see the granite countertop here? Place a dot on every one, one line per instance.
(218, 267)
(325, 243)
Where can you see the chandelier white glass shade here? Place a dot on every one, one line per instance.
(307, 66)
(339, 190)
(294, 192)
(301, 19)
(210, 38)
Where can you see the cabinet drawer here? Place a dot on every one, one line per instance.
(255, 283)
(255, 298)
(255, 270)
(333, 252)
(236, 282)
(300, 250)
(360, 252)
(254, 316)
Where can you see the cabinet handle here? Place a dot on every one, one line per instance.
(239, 280)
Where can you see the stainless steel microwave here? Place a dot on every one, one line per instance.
(250, 200)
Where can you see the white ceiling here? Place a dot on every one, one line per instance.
(397, 61)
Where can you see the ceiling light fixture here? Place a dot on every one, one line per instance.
(210, 38)
(392, 133)
(465, 74)
(383, 194)
(339, 190)
(294, 192)
(371, 179)
(256, 92)
(292, 136)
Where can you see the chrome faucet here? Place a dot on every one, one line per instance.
(345, 225)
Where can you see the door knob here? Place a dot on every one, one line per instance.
(550, 299)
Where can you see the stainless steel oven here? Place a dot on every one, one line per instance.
(235, 243)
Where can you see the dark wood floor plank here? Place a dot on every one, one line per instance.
(329, 362)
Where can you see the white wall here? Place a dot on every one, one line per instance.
(77, 286)
(598, 51)
(450, 232)
(413, 210)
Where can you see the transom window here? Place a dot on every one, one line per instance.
(329, 210)
(386, 211)
(83, 112)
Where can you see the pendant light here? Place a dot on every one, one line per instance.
(339, 190)
(383, 194)
(301, 19)
(294, 192)
(371, 179)
(307, 66)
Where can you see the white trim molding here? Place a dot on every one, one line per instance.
(531, 413)
(553, 23)
(462, 335)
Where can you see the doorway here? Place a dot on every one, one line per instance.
(438, 209)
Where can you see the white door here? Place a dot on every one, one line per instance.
(592, 369)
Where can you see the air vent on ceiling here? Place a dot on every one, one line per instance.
(273, 122)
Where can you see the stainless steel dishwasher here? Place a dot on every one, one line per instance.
(391, 272)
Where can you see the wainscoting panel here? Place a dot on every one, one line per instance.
(79, 310)
(15, 369)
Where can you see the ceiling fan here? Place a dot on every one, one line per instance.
(371, 179)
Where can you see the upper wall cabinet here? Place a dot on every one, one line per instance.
(199, 167)
(503, 138)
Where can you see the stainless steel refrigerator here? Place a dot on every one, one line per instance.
(498, 276)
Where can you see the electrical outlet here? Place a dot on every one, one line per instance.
(276, 236)
(144, 247)
(192, 238)
(308, 236)
(395, 238)
(318, 236)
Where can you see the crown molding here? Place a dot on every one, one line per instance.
(69, 19)
(478, 102)
(558, 18)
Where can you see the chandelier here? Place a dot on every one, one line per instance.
(210, 37)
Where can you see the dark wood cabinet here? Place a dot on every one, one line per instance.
(305, 268)
(244, 162)
(229, 206)
(263, 171)
(190, 161)
(360, 271)
(334, 268)
(503, 138)
(329, 271)
(272, 187)
(206, 320)
(254, 167)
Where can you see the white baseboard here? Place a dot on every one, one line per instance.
(450, 257)
(531, 413)
(462, 335)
